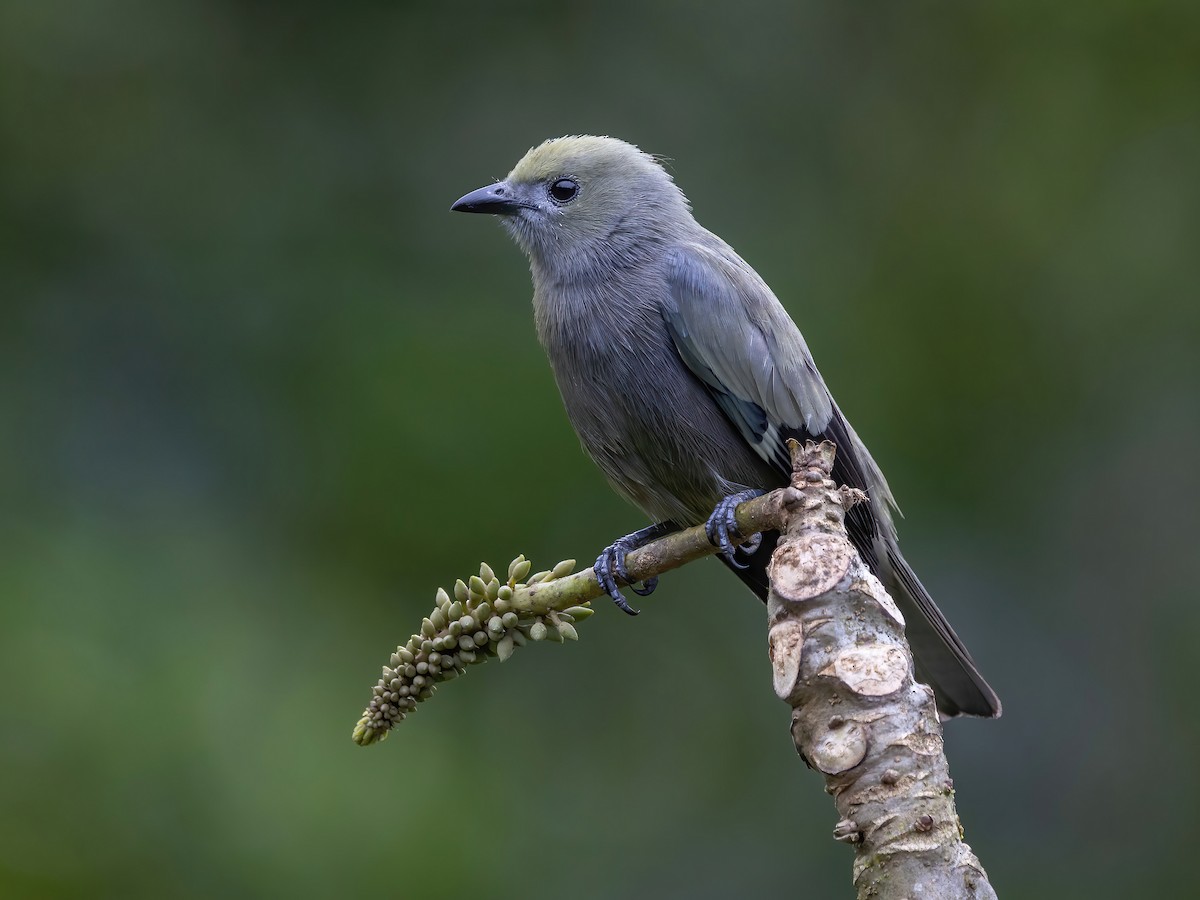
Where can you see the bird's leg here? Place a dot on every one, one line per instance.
(722, 528)
(610, 564)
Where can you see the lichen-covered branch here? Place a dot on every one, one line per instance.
(839, 658)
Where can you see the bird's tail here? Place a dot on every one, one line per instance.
(941, 660)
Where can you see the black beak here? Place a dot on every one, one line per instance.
(497, 199)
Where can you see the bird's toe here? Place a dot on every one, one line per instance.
(722, 528)
(610, 565)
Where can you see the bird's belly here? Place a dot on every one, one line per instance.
(657, 434)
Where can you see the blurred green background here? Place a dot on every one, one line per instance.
(260, 394)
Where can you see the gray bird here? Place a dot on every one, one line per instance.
(684, 376)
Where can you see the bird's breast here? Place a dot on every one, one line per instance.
(640, 413)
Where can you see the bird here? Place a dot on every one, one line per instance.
(684, 377)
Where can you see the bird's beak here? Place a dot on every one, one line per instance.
(497, 199)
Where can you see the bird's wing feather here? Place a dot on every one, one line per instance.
(733, 334)
(739, 341)
(737, 338)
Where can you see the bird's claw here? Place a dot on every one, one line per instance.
(610, 568)
(722, 528)
(750, 545)
(648, 585)
(609, 565)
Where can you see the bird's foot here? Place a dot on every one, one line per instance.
(610, 564)
(722, 528)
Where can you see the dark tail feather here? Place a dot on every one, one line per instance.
(942, 661)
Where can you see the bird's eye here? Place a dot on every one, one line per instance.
(564, 190)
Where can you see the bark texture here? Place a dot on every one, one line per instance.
(840, 660)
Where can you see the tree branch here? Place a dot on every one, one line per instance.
(489, 618)
(838, 656)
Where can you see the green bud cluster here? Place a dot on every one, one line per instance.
(478, 622)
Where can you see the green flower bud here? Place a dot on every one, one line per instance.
(486, 573)
(466, 643)
(438, 618)
(480, 638)
(514, 568)
(579, 613)
(504, 647)
(538, 631)
(567, 630)
(495, 625)
(483, 612)
(454, 628)
(510, 619)
(467, 656)
(468, 623)
(563, 569)
(519, 637)
(443, 599)
(553, 634)
(478, 588)
(427, 629)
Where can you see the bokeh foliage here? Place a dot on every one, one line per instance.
(260, 394)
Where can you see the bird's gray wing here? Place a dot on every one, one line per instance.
(736, 338)
(734, 335)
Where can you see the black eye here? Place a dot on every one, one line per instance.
(564, 190)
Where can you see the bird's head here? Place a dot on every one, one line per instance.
(574, 202)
